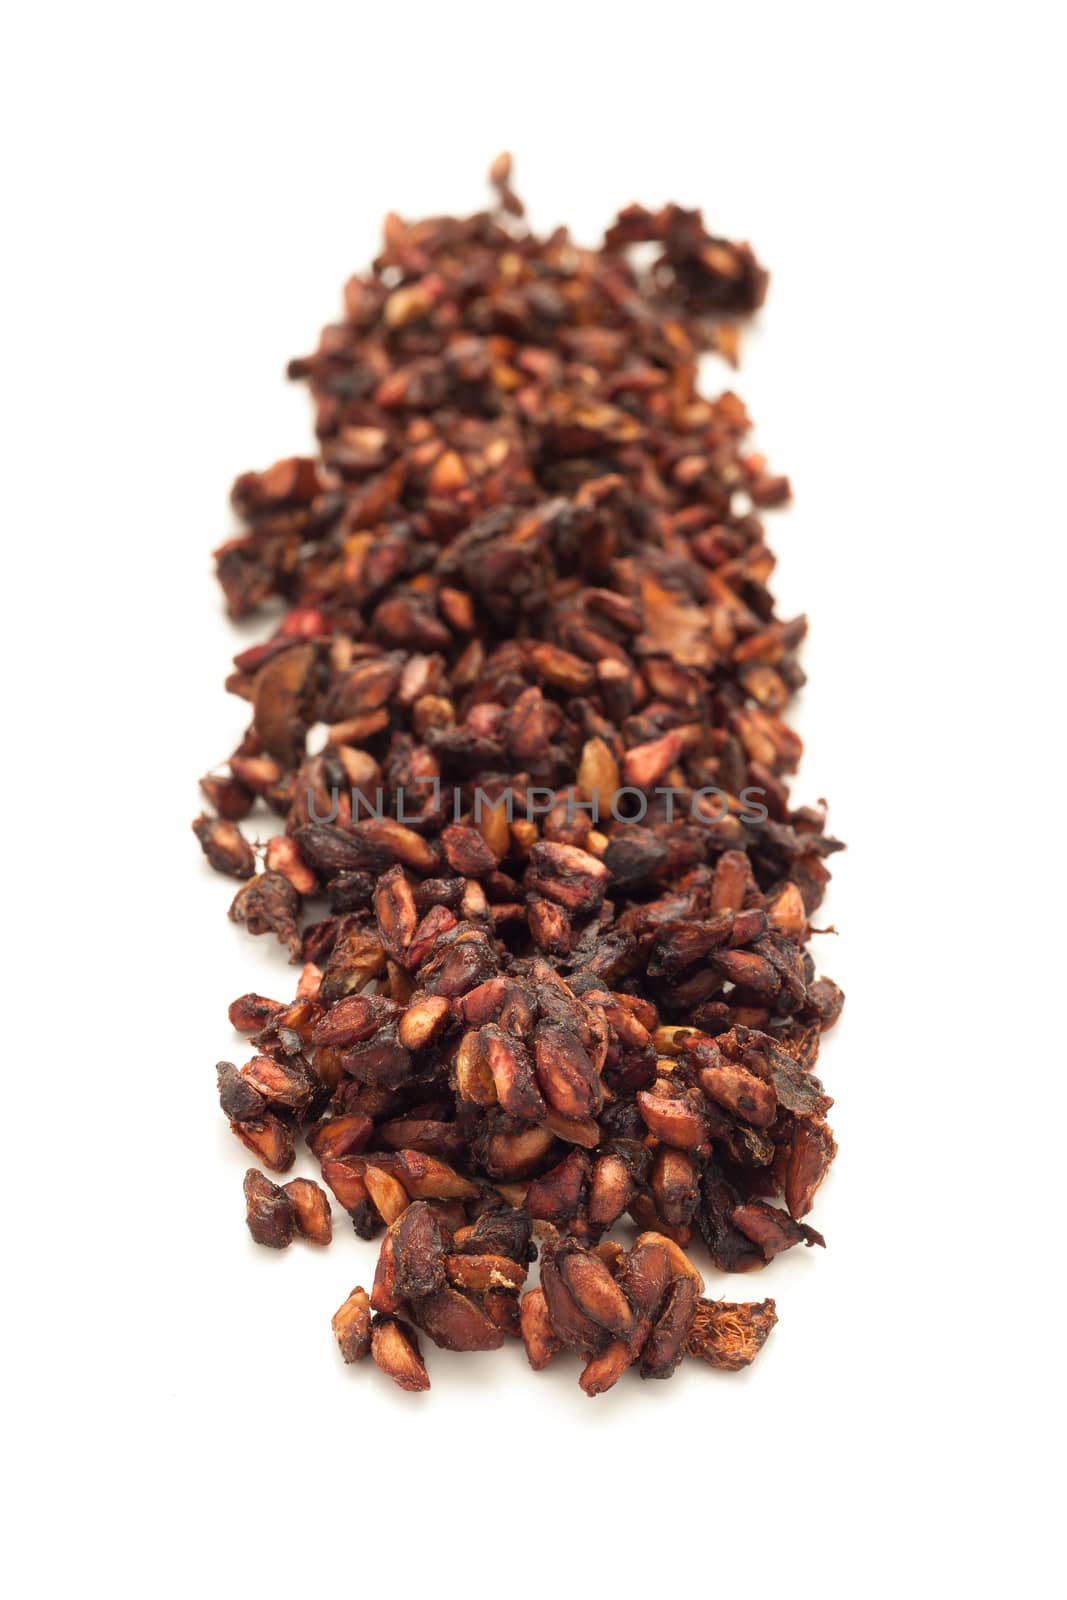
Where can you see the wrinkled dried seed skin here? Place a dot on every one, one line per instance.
(270, 1213)
(225, 846)
(418, 1253)
(548, 897)
(665, 1346)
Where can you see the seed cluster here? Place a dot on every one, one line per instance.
(557, 973)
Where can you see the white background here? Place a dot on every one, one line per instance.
(187, 189)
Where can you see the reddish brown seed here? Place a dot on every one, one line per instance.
(812, 1150)
(424, 1134)
(389, 1196)
(731, 881)
(311, 1209)
(556, 1195)
(230, 798)
(394, 907)
(480, 1273)
(603, 1371)
(572, 878)
(538, 1334)
(225, 846)
(284, 1084)
(647, 1269)
(676, 1122)
(512, 1072)
(741, 1093)
(501, 1306)
(421, 1023)
(595, 1291)
(268, 1139)
(383, 1295)
(269, 1211)
(513, 1156)
(250, 1012)
(681, 1265)
(646, 764)
(675, 1185)
(347, 1185)
(283, 855)
(339, 1136)
(665, 1345)
(426, 1178)
(418, 1248)
(352, 1326)
(569, 1323)
(550, 926)
(395, 1351)
(565, 1073)
(611, 1189)
(455, 1321)
(771, 1228)
(354, 1018)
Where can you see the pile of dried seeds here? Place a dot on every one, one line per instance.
(522, 719)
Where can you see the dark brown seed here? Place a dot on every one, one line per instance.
(251, 1012)
(225, 846)
(418, 1253)
(269, 904)
(572, 878)
(240, 1100)
(675, 1185)
(556, 1196)
(269, 1211)
(569, 1323)
(268, 1139)
(394, 907)
(665, 1345)
(772, 1229)
(565, 1074)
(512, 1072)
